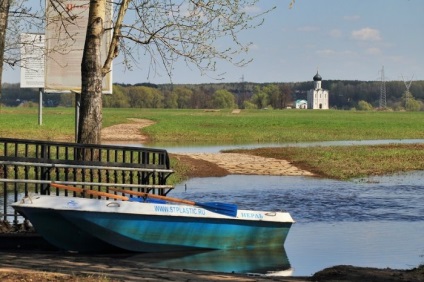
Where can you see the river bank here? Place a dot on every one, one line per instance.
(30, 265)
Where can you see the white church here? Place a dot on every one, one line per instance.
(318, 97)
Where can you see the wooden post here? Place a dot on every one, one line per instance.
(40, 106)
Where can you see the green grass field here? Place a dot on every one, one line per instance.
(264, 126)
(273, 126)
(258, 126)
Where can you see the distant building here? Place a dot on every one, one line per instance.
(301, 104)
(318, 97)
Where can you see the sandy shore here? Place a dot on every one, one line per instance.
(236, 163)
(231, 162)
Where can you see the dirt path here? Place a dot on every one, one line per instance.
(231, 162)
(126, 131)
(248, 164)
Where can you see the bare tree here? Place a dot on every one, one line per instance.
(150, 33)
(15, 17)
(92, 73)
(4, 15)
(155, 34)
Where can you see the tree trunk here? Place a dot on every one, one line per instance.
(90, 121)
(4, 14)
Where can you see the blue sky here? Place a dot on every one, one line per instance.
(343, 39)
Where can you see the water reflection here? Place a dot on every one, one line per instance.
(261, 261)
(373, 221)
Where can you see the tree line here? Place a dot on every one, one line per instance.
(345, 95)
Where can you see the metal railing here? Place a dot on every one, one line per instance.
(29, 166)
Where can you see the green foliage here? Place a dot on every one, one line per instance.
(223, 99)
(249, 105)
(119, 98)
(260, 98)
(364, 106)
(184, 96)
(273, 95)
(343, 95)
(410, 103)
(145, 97)
(171, 101)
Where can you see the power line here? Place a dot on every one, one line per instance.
(407, 86)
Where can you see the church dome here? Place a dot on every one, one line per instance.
(317, 77)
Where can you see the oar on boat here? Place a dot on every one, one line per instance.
(222, 208)
(89, 192)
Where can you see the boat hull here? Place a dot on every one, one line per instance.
(62, 234)
(159, 234)
(150, 227)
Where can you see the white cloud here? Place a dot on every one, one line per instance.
(366, 34)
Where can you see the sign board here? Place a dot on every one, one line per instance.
(32, 60)
(66, 26)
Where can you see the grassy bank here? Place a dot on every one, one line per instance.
(266, 126)
(252, 126)
(350, 161)
(248, 126)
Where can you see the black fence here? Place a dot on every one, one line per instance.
(29, 166)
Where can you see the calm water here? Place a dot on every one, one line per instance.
(376, 222)
(215, 148)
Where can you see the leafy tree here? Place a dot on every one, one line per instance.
(364, 106)
(410, 103)
(285, 98)
(273, 95)
(259, 98)
(184, 96)
(249, 105)
(201, 99)
(223, 99)
(145, 97)
(157, 98)
(135, 97)
(171, 100)
(119, 99)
